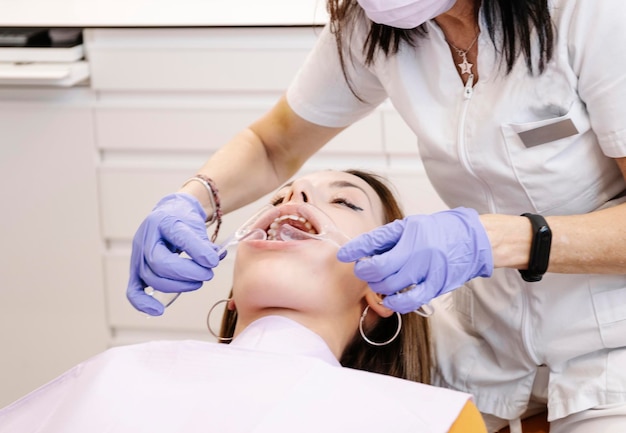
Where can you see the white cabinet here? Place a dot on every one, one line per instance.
(167, 99)
(222, 60)
(52, 311)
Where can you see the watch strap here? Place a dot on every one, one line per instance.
(539, 249)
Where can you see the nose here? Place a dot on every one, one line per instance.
(301, 190)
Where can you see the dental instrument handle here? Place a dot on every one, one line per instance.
(223, 247)
(235, 238)
(168, 299)
(164, 298)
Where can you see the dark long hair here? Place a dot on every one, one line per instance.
(409, 355)
(516, 20)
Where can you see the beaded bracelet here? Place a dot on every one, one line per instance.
(209, 184)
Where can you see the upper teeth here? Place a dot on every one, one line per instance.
(273, 230)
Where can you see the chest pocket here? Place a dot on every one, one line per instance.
(556, 161)
(610, 310)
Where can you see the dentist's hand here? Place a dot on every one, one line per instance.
(433, 253)
(176, 224)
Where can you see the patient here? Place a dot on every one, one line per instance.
(297, 315)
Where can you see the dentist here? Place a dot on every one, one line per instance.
(518, 107)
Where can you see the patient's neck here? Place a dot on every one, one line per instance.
(336, 334)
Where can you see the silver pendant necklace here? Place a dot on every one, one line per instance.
(464, 66)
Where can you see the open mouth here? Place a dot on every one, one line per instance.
(295, 216)
(296, 221)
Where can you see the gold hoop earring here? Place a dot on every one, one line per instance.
(208, 321)
(375, 343)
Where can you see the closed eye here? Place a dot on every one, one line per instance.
(348, 204)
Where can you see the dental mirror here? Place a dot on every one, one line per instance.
(287, 232)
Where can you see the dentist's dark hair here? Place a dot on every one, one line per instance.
(514, 26)
(409, 355)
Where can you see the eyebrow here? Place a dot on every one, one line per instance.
(346, 184)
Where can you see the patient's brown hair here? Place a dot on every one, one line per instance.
(409, 355)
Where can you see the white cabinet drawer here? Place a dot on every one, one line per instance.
(127, 195)
(43, 74)
(179, 124)
(220, 59)
(172, 127)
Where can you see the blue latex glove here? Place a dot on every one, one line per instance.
(437, 253)
(176, 224)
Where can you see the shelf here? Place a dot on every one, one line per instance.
(44, 74)
(37, 54)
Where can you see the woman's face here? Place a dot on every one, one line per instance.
(304, 277)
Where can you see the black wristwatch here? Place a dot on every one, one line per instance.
(539, 249)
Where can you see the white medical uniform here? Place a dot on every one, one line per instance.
(511, 144)
(276, 376)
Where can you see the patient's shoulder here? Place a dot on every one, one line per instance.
(156, 354)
